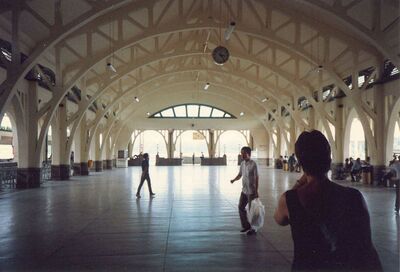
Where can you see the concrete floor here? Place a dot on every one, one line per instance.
(96, 223)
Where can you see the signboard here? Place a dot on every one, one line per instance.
(197, 136)
(6, 140)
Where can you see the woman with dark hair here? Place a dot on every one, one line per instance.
(329, 223)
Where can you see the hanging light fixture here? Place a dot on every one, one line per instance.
(229, 31)
(110, 66)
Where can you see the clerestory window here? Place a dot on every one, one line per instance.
(192, 111)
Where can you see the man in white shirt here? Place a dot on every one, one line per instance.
(249, 174)
(396, 167)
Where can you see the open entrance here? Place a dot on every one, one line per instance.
(230, 142)
(7, 140)
(357, 140)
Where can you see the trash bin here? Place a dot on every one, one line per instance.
(366, 175)
(285, 166)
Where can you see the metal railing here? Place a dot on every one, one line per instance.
(45, 172)
(8, 174)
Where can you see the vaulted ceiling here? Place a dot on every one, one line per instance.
(161, 50)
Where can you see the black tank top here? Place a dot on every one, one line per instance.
(339, 238)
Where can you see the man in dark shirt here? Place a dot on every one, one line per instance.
(145, 176)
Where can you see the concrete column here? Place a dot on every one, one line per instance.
(109, 156)
(211, 144)
(60, 163)
(84, 168)
(171, 145)
(130, 147)
(81, 149)
(28, 172)
(98, 166)
(378, 161)
(278, 143)
(339, 135)
(109, 164)
(312, 119)
(98, 163)
(337, 162)
(260, 143)
(292, 139)
(268, 150)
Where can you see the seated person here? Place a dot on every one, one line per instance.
(389, 173)
(329, 223)
(393, 161)
(292, 161)
(395, 167)
(279, 163)
(355, 169)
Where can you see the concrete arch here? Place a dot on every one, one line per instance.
(346, 141)
(185, 132)
(279, 73)
(99, 117)
(142, 132)
(219, 136)
(10, 84)
(353, 26)
(393, 117)
(92, 134)
(122, 124)
(225, 131)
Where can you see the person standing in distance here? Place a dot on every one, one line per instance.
(145, 176)
(249, 174)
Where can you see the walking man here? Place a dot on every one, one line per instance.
(249, 174)
(145, 176)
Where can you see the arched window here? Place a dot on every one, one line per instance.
(192, 111)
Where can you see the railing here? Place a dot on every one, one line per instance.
(45, 172)
(8, 174)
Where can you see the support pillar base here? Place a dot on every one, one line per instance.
(77, 169)
(377, 173)
(60, 172)
(84, 169)
(28, 178)
(109, 164)
(98, 166)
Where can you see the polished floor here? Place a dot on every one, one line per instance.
(96, 223)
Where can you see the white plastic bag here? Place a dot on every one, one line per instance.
(256, 214)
